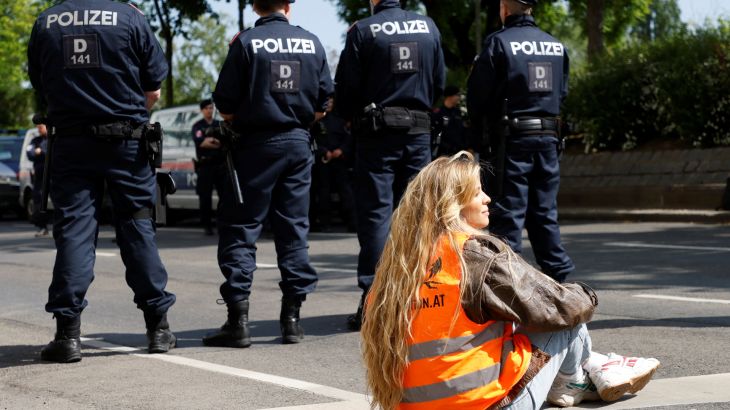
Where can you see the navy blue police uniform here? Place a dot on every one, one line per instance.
(274, 79)
(455, 135)
(92, 61)
(333, 174)
(40, 219)
(529, 69)
(210, 171)
(391, 60)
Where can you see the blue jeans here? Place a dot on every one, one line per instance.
(568, 350)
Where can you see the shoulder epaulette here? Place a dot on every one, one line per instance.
(136, 8)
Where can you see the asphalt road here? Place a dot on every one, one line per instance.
(664, 291)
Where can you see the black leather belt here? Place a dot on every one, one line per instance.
(523, 125)
(120, 130)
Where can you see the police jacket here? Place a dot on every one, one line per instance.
(393, 59)
(92, 61)
(522, 64)
(274, 79)
(207, 155)
(37, 159)
(463, 353)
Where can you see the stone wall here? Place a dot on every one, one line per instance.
(674, 179)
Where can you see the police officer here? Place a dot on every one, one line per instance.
(332, 173)
(36, 153)
(389, 76)
(274, 83)
(522, 75)
(99, 67)
(209, 163)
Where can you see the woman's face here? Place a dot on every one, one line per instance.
(476, 211)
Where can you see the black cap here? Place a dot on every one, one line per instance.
(206, 102)
(451, 90)
(528, 2)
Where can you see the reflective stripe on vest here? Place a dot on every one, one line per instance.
(446, 346)
(451, 387)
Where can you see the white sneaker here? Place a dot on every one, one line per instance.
(42, 233)
(570, 389)
(614, 375)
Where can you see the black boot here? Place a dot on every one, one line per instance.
(354, 322)
(159, 337)
(66, 346)
(235, 332)
(291, 331)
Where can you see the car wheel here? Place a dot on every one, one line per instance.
(28, 206)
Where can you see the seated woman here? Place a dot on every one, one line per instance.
(456, 320)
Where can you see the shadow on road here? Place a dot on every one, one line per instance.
(29, 355)
(260, 329)
(683, 322)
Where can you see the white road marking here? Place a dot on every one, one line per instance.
(658, 246)
(106, 254)
(266, 265)
(318, 389)
(684, 299)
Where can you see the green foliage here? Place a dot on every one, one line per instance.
(663, 21)
(16, 21)
(672, 88)
(199, 59)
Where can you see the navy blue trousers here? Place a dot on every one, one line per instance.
(275, 178)
(384, 164)
(209, 176)
(529, 200)
(81, 166)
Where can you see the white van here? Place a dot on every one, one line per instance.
(178, 152)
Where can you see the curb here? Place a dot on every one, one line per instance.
(645, 215)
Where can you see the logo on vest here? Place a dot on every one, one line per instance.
(537, 48)
(284, 45)
(83, 18)
(390, 28)
(435, 301)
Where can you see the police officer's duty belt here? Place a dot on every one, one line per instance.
(531, 125)
(399, 119)
(115, 130)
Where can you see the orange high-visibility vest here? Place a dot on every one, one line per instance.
(455, 363)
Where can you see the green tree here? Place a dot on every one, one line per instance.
(16, 97)
(663, 21)
(199, 59)
(172, 18)
(606, 23)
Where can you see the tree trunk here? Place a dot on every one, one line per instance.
(595, 28)
(169, 92)
(494, 21)
(241, 6)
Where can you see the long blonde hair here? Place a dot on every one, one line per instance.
(430, 207)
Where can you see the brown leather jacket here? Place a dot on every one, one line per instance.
(507, 288)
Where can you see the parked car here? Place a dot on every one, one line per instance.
(178, 154)
(10, 155)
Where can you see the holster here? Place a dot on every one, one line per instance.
(399, 119)
(165, 186)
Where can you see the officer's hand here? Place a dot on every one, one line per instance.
(336, 153)
(214, 142)
(38, 151)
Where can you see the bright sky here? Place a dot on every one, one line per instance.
(320, 16)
